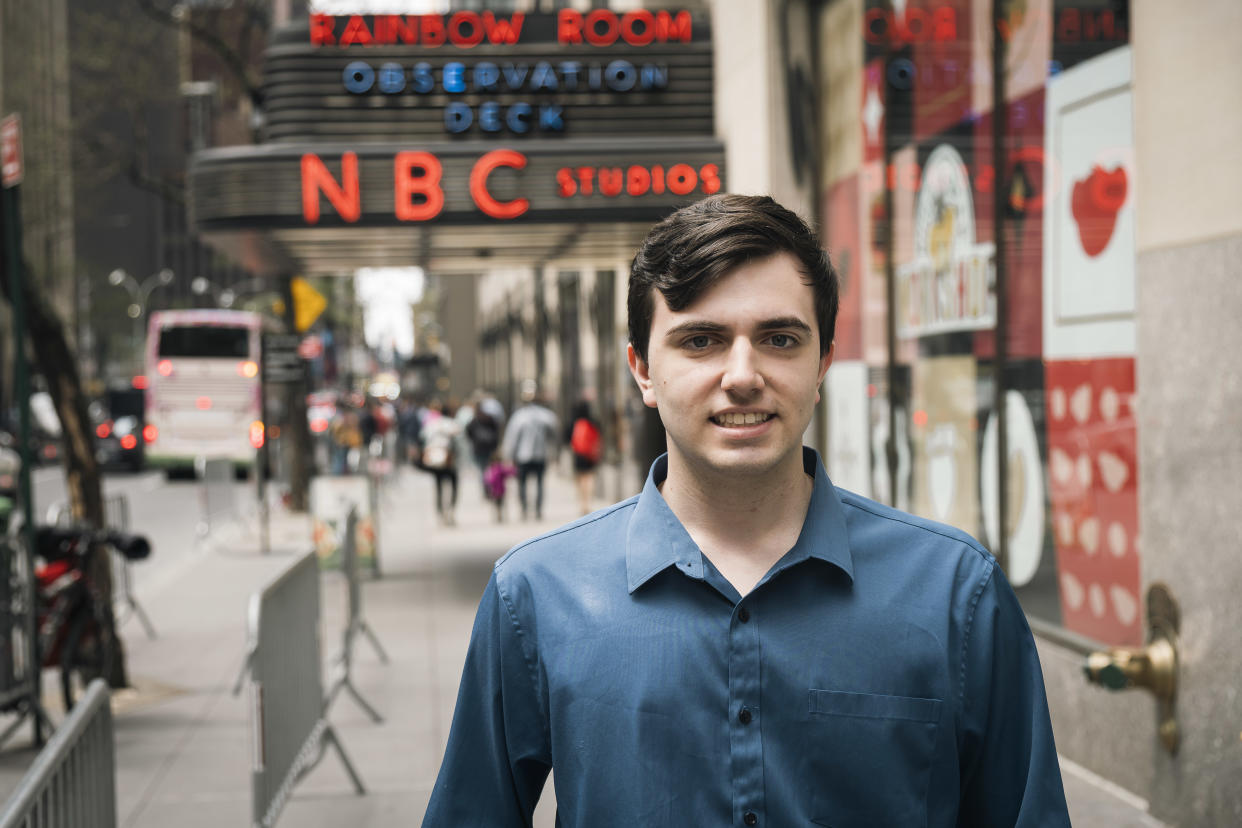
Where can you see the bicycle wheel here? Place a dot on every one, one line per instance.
(86, 654)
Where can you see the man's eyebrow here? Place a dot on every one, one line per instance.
(784, 323)
(694, 327)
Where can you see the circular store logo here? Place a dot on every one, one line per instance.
(949, 286)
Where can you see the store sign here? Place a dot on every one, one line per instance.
(418, 184)
(371, 185)
(950, 285)
(478, 74)
(467, 29)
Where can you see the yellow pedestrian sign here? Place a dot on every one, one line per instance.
(308, 303)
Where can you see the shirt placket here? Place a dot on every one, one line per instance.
(745, 718)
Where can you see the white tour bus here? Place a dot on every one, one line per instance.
(203, 395)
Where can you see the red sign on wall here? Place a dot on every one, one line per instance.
(11, 150)
(1093, 483)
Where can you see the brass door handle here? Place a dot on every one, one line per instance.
(1154, 667)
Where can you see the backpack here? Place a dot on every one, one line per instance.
(585, 440)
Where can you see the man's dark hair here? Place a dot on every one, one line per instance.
(699, 244)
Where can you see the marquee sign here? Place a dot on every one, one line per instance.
(532, 121)
(486, 76)
(384, 185)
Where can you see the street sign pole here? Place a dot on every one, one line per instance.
(11, 168)
(261, 459)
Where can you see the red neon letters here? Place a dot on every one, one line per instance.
(466, 29)
(478, 184)
(406, 184)
(914, 25)
(417, 191)
(344, 197)
(636, 180)
(640, 27)
(462, 29)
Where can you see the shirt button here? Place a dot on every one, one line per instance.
(750, 819)
(743, 615)
(743, 716)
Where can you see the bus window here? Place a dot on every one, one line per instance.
(205, 341)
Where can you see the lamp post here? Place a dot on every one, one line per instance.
(228, 297)
(138, 294)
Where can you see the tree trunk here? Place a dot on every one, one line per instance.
(54, 359)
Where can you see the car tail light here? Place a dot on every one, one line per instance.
(165, 368)
(318, 425)
(202, 403)
(103, 430)
(129, 441)
(248, 369)
(139, 382)
(149, 433)
(256, 434)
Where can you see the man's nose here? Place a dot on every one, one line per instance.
(742, 374)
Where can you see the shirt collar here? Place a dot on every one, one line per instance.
(657, 540)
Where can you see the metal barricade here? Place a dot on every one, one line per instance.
(116, 517)
(219, 501)
(73, 779)
(356, 623)
(15, 580)
(289, 731)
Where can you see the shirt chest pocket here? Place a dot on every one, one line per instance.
(869, 758)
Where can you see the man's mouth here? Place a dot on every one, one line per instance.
(734, 420)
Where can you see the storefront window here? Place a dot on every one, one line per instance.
(924, 159)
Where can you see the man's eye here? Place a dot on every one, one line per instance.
(782, 340)
(699, 342)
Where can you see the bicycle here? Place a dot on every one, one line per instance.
(76, 631)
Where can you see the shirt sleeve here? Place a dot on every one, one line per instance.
(498, 753)
(1009, 769)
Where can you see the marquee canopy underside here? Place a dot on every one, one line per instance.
(327, 251)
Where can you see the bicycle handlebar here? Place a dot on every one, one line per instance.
(58, 542)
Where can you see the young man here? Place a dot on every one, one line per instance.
(742, 643)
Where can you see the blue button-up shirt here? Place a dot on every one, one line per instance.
(881, 674)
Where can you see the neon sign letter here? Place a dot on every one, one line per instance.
(344, 197)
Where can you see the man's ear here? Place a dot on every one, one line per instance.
(642, 375)
(824, 362)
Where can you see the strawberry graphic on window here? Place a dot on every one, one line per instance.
(1095, 203)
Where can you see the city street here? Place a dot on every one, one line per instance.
(182, 738)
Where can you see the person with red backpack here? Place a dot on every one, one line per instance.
(587, 444)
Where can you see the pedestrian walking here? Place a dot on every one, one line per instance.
(409, 430)
(439, 457)
(529, 441)
(586, 442)
(495, 483)
(743, 643)
(483, 432)
(346, 440)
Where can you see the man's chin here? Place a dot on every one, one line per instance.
(738, 461)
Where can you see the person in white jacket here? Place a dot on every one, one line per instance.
(530, 440)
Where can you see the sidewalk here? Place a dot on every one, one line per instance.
(182, 738)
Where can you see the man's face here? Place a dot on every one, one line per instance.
(736, 374)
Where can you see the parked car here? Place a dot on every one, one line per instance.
(44, 447)
(119, 435)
